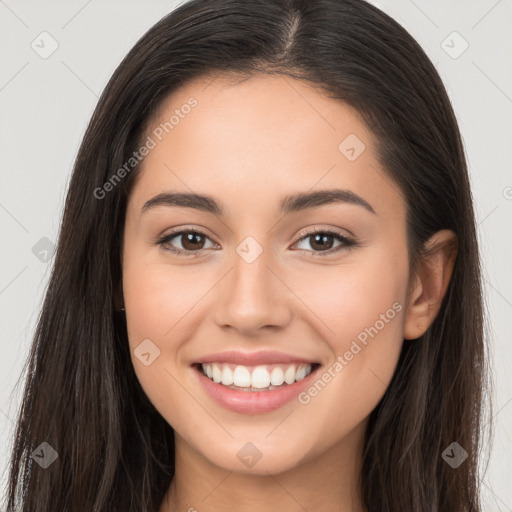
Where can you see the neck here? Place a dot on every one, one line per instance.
(327, 482)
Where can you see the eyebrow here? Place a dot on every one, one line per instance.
(291, 203)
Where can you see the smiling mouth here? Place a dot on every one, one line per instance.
(264, 377)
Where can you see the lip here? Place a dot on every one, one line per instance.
(253, 358)
(253, 402)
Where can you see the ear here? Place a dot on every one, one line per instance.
(430, 283)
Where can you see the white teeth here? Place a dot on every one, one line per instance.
(256, 378)
(241, 376)
(227, 376)
(217, 374)
(260, 378)
(277, 376)
(289, 375)
(300, 374)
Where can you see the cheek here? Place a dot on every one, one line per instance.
(157, 300)
(157, 295)
(363, 310)
(352, 297)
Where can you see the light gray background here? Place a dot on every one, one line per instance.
(46, 104)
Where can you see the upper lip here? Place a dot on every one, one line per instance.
(252, 358)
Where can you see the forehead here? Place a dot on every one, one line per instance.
(257, 138)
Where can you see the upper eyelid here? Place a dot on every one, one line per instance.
(331, 230)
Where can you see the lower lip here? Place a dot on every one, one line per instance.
(253, 402)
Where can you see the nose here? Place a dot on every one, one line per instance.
(253, 297)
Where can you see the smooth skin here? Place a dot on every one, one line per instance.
(248, 144)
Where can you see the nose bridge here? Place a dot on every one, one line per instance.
(252, 296)
(250, 281)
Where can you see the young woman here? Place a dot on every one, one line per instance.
(266, 294)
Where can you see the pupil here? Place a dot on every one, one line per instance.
(320, 239)
(189, 238)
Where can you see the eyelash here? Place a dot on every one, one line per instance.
(347, 243)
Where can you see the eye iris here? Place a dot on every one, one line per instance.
(190, 238)
(320, 239)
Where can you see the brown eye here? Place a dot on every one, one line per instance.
(322, 241)
(191, 241)
(184, 241)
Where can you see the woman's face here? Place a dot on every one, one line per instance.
(257, 281)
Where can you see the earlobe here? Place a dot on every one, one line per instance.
(430, 283)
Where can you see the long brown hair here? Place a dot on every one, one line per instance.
(115, 451)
